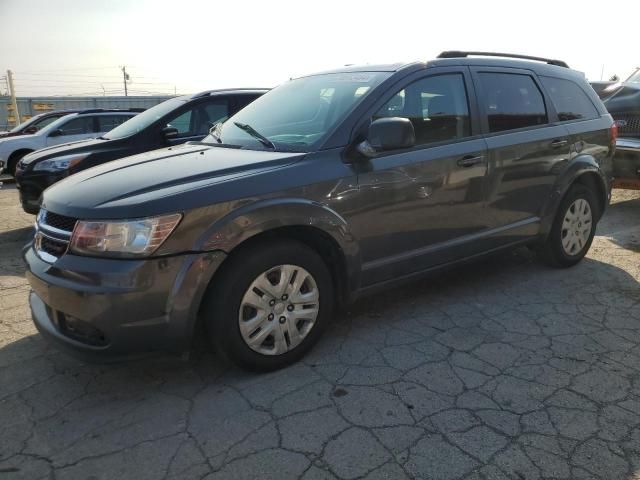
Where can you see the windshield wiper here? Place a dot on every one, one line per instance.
(255, 134)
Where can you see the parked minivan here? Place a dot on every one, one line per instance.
(329, 187)
(171, 122)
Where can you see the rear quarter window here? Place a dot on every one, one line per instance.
(570, 101)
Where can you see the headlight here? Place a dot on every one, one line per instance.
(126, 238)
(58, 164)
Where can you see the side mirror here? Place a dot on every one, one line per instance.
(169, 133)
(31, 130)
(384, 134)
(56, 133)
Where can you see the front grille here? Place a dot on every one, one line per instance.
(53, 235)
(53, 247)
(59, 221)
(628, 125)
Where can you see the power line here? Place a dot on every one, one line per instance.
(71, 69)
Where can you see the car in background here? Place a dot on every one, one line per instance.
(326, 188)
(69, 128)
(174, 121)
(35, 123)
(622, 100)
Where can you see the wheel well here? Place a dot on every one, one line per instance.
(593, 183)
(17, 155)
(318, 240)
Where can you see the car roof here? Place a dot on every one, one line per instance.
(484, 59)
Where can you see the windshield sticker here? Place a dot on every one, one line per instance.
(358, 77)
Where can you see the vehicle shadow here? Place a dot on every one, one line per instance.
(483, 281)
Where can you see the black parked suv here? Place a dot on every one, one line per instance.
(326, 188)
(172, 122)
(622, 100)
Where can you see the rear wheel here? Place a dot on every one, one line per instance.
(573, 228)
(269, 305)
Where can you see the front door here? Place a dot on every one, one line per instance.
(420, 205)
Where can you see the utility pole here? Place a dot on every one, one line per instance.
(14, 101)
(125, 77)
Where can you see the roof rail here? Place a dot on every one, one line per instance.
(459, 54)
(103, 110)
(207, 93)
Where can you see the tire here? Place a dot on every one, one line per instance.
(564, 246)
(226, 305)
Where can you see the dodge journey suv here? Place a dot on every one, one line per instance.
(325, 188)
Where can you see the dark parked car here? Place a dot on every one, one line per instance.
(35, 123)
(172, 122)
(71, 127)
(328, 187)
(622, 100)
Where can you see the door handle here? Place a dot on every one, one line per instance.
(559, 143)
(470, 161)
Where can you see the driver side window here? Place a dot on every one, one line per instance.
(182, 122)
(198, 120)
(437, 107)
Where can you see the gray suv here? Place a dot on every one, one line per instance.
(327, 188)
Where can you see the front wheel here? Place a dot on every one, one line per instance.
(573, 229)
(269, 305)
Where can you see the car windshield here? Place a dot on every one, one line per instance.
(296, 115)
(26, 123)
(635, 77)
(144, 119)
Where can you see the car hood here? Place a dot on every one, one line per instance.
(625, 98)
(161, 181)
(62, 149)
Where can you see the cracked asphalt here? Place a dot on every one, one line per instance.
(500, 369)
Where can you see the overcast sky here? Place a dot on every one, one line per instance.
(77, 46)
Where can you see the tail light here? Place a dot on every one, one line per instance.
(614, 132)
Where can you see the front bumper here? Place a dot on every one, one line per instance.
(110, 309)
(32, 184)
(626, 163)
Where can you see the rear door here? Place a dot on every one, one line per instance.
(76, 128)
(588, 131)
(526, 148)
(422, 206)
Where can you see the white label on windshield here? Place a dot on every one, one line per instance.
(358, 77)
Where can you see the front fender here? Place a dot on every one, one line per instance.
(259, 217)
(576, 168)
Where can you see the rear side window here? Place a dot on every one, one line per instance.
(512, 101)
(569, 99)
(437, 107)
